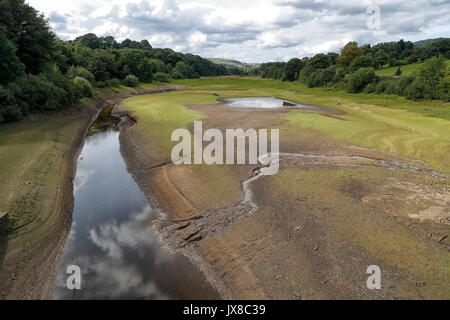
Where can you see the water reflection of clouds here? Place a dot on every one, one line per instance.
(81, 178)
(116, 273)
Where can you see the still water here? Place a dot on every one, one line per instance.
(111, 239)
(261, 103)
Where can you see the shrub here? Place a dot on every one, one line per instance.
(176, 75)
(36, 93)
(83, 87)
(392, 87)
(430, 74)
(411, 59)
(415, 90)
(444, 88)
(403, 84)
(362, 62)
(382, 86)
(131, 81)
(161, 77)
(58, 80)
(340, 74)
(9, 110)
(370, 88)
(321, 77)
(114, 83)
(359, 79)
(74, 72)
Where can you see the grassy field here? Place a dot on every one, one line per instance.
(406, 70)
(383, 122)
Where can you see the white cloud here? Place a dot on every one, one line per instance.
(253, 30)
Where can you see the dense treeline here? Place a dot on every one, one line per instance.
(354, 69)
(40, 72)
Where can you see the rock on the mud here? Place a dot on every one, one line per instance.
(3, 216)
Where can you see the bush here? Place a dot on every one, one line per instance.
(362, 62)
(83, 87)
(9, 110)
(430, 74)
(412, 59)
(444, 88)
(114, 83)
(392, 88)
(176, 75)
(359, 79)
(382, 86)
(321, 77)
(131, 81)
(161, 77)
(37, 93)
(74, 72)
(58, 80)
(403, 84)
(340, 74)
(415, 90)
(370, 88)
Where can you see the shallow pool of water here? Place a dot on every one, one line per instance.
(112, 240)
(260, 103)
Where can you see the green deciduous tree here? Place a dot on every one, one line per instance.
(292, 69)
(29, 32)
(10, 65)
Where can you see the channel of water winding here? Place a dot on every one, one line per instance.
(112, 239)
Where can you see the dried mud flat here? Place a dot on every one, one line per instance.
(311, 231)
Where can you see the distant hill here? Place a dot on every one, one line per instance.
(422, 43)
(233, 63)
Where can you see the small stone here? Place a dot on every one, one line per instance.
(3, 216)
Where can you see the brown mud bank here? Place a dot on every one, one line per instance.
(309, 232)
(29, 253)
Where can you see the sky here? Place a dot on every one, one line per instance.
(250, 30)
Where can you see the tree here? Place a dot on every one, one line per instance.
(29, 32)
(103, 65)
(135, 62)
(430, 76)
(131, 81)
(10, 65)
(349, 53)
(361, 62)
(359, 79)
(145, 45)
(292, 69)
(89, 40)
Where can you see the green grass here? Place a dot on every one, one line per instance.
(327, 97)
(383, 122)
(407, 70)
(158, 115)
(385, 129)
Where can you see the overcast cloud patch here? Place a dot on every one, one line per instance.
(251, 31)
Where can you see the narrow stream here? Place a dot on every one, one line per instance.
(112, 240)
